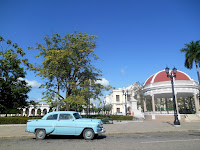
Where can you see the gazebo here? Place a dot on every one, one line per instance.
(157, 92)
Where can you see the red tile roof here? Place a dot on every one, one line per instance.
(162, 76)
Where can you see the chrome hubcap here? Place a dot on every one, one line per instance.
(41, 134)
(88, 134)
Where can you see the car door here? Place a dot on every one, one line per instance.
(50, 123)
(65, 125)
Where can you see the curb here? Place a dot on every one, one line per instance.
(8, 125)
(198, 130)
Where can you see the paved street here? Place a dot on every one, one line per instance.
(125, 135)
(10, 131)
(150, 141)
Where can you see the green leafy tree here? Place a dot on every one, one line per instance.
(137, 88)
(107, 108)
(192, 54)
(33, 103)
(13, 89)
(68, 66)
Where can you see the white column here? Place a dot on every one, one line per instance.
(176, 103)
(35, 112)
(164, 104)
(24, 110)
(41, 112)
(48, 110)
(196, 104)
(145, 105)
(29, 111)
(153, 104)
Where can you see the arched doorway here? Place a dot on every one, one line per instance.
(33, 112)
(44, 111)
(39, 112)
(27, 112)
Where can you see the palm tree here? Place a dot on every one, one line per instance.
(192, 54)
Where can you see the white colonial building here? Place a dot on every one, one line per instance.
(38, 110)
(123, 101)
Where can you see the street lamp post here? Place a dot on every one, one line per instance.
(173, 75)
(125, 92)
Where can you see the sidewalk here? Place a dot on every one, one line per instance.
(149, 127)
(12, 131)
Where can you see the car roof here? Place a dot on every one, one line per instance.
(60, 112)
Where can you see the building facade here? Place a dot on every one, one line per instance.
(38, 110)
(124, 101)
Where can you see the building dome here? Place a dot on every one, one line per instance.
(161, 76)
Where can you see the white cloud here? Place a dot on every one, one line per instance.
(103, 82)
(33, 83)
(122, 71)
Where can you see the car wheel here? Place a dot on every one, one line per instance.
(88, 134)
(40, 134)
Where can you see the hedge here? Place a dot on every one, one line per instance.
(114, 117)
(16, 120)
(23, 120)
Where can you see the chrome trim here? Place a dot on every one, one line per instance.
(63, 126)
(27, 130)
(102, 130)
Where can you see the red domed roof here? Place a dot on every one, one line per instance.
(162, 76)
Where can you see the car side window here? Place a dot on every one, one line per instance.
(52, 117)
(65, 117)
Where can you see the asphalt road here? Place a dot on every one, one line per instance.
(150, 141)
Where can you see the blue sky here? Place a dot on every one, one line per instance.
(135, 38)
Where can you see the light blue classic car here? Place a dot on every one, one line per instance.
(65, 123)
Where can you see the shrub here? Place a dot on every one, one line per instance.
(16, 120)
(114, 117)
(23, 120)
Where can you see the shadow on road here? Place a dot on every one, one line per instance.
(72, 137)
(195, 134)
(169, 123)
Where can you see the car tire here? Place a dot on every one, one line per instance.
(88, 134)
(40, 134)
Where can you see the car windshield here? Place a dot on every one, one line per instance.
(77, 116)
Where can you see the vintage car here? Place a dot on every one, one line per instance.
(65, 123)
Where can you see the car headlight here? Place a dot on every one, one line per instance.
(100, 124)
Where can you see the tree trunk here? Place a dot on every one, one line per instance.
(198, 77)
(197, 71)
(58, 88)
(67, 105)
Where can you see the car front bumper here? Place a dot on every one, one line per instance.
(101, 130)
(27, 130)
